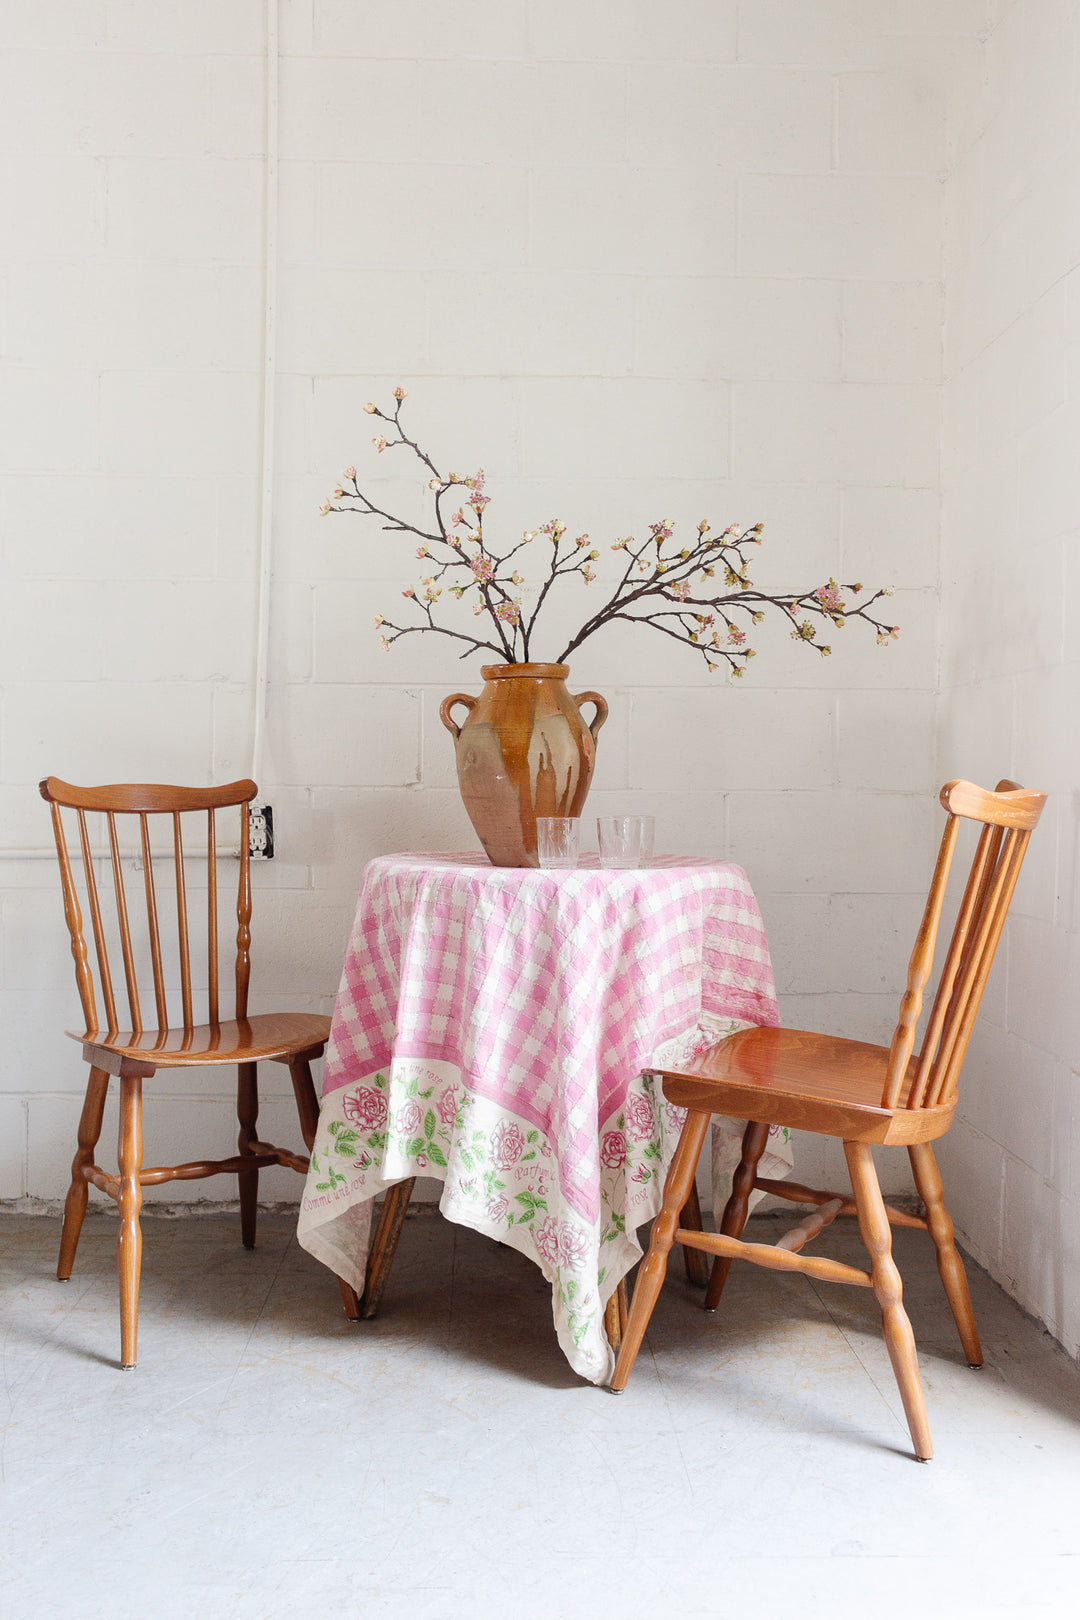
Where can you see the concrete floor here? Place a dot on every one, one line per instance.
(268, 1459)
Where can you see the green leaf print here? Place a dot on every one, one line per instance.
(415, 1146)
(530, 1204)
(346, 1139)
(436, 1155)
(429, 1122)
(335, 1180)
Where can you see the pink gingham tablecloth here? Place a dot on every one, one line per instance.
(495, 1027)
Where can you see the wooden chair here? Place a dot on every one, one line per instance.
(862, 1094)
(135, 1054)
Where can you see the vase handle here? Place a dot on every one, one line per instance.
(448, 703)
(601, 709)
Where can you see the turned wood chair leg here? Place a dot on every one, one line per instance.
(129, 1236)
(307, 1107)
(93, 1110)
(384, 1244)
(695, 1261)
(737, 1207)
(950, 1265)
(900, 1340)
(650, 1277)
(247, 1181)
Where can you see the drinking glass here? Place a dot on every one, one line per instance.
(557, 841)
(625, 841)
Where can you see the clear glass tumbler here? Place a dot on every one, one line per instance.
(625, 841)
(557, 841)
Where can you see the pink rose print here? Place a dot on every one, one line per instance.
(572, 1247)
(498, 1208)
(507, 1145)
(365, 1107)
(639, 1116)
(613, 1150)
(674, 1117)
(547, 1240)
(408, 1118)
(447, 1105)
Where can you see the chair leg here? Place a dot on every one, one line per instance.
(950, 1265)
(695, 1261)
(899, 1339)
(93, 1111)
(129, 1236)
(247, 1113)
(307, 1106)
(650, 1278)
(384, 1244)
(738, 1206)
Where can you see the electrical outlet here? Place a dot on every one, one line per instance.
(261, 832)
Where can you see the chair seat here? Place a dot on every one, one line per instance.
(810, 1082)
(234, 1040)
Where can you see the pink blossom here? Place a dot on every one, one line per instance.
(613, 1150)
(380, 444)
(350, 472)
(829, 597)
(681, 590)
(365, 1107)
(483, 568)
(509, 612)
(507, 1145)
(399, 392)
(638, 1110)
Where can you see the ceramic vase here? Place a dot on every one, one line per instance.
(523, 750)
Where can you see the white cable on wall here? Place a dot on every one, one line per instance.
(266, 451)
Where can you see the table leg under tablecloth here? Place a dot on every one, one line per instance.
(505, 1178)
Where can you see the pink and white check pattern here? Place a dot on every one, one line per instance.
(549, 991)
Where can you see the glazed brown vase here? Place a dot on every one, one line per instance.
(523, 750)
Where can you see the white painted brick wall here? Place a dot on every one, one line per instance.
(1011, 651)
(636, 260)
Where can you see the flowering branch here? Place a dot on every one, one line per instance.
(663, 585)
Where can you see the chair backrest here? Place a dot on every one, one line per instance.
(1007, 816)
(160, 915)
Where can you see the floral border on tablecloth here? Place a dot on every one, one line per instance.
(500, 1174)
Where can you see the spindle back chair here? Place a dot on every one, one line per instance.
(862, 1094)
(148, 947)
